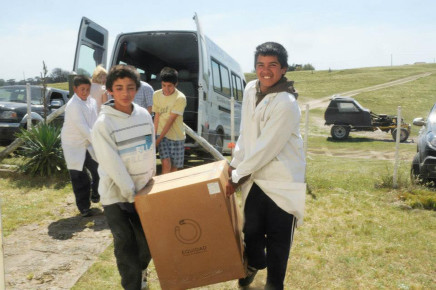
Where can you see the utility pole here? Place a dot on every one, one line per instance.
(391, 59)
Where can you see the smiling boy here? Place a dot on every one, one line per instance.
(269, 165)
(168, 105)
(124, 136)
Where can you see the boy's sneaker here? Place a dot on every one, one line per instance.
(95, 197)
(251, 273)
(85, 212)
(144, 283)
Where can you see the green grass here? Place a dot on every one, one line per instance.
(26, 200)
(62, 86)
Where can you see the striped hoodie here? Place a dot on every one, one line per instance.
(125, 149)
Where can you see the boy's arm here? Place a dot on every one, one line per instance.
(167, 127)
(156, 122)
(177, 110)
(282, 123)
(78, 119)
(110, 161)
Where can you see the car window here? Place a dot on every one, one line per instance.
(347, 108)
(19, 95)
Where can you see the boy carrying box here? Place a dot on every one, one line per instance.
(124, 136)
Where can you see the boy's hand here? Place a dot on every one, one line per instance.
(231, 187)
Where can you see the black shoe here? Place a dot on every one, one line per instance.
(85, 212)
(251, 273)
(95, 197)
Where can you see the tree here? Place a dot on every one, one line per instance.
(308, 67)
(2, 82)
(11, 82)
(59, 75)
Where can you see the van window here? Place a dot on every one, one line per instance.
(216, 76)
(237, 87)
(89, 59)
(221, 78)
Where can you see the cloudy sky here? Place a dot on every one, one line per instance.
(337, 34)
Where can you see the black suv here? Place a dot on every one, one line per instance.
(346, 114)
(424, 162)
(13, 107)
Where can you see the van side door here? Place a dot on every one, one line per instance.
(203, 79)
(91, 49)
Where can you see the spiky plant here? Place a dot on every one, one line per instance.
(42, 150)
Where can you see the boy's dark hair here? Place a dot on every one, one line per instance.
(272, 49)
(170, 75)
(81, 80)
(121, 71)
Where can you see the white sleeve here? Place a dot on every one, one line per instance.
(283, 121)
(77, 117)
(110, 161)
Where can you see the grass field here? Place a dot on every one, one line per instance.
(358, 232)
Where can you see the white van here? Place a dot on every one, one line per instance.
(208, 76)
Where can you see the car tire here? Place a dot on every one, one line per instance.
(415, 175)
(404, 134)
(340, 132)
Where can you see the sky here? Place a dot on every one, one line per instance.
(337, 34)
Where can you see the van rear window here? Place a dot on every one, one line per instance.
(221, 78)
(95, 36)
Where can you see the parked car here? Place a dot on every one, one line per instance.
(346, 114)
(13, 107)
(424, 162)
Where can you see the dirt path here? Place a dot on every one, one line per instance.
(54, 254)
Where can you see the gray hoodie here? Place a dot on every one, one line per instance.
(125, 149)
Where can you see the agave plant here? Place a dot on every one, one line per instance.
(42, 150)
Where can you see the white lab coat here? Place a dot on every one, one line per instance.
(270, 148)
(80, 116)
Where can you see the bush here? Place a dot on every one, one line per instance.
(43, 151)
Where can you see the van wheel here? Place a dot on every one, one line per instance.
(219, 143)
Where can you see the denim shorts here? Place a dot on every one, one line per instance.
(173, 149)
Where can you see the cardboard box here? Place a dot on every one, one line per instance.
(193, 230)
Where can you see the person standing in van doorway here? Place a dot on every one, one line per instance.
(144, 96)
(168, 106)
(269, 165)
(98, 88)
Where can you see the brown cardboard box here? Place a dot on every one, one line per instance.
(193, 230)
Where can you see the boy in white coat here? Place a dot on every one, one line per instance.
(124, 135)
(80, 116)
(269, 163)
